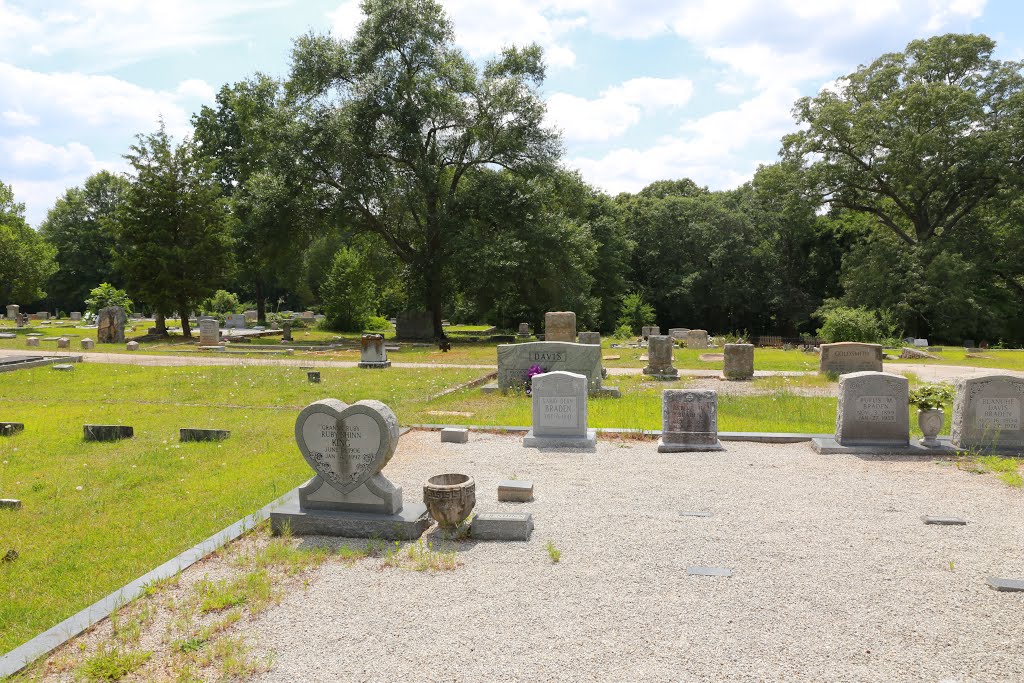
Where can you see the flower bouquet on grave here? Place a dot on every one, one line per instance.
(530, 374)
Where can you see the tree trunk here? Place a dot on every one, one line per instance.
(261, 304)
(161, 324)
(434, 299)
(186, 329)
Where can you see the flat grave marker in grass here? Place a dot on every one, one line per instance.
(502, 526)
(10, 504)
(192, 434)
(11, 428)
(107, 432)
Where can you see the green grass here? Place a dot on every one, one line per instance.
(952, 355)
(112, 665)
(144, 500)
(1006, 469)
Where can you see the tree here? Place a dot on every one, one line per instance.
(26, 260)
(77, 226)
(922, 141)
(108, 295)
(173, 227)
(347, 293)
(635, 313)
(392, 122)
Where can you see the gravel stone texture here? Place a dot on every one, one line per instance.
(835, 578)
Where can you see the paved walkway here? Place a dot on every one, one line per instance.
(926, 373)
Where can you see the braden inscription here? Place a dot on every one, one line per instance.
(998, 413)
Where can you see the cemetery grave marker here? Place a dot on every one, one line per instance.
(515, 491)
(372, 353)
(689, 421)
(193, 434)
(988, 413)
(559, 406)
(502, 526)
(659, 354)
(560, 326)
(844, 357)
(697, 339)
(738, 361)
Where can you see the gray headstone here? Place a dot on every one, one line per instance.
(689, 421)
(76, 316)
(193, 434)
(209, 332)
(678, 333)
(132, 346)
(873, 410)
(414, 325)
(514, 360)
(372, 353)
(659, 355)
(560, 326)
(63, 343)
(12, 311)
(524, 329)
(590, 338)
(560, 412)
(110, 324)
(11, 428)
(843, 357)
(697, 339)
(88, 344)
(107, 432)
(63, 367)
(286, 328)
(921, 342)
(502, 526)
(251, 316)
(515, 491)
(739, 361)
(32, 341)
(988, 412)
(234, 321)
(454, 435)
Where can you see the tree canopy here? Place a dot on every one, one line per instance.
(26, 260)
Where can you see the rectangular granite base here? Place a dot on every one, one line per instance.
(829, 446)
(587, 442)
(406, 525)
(688, 447)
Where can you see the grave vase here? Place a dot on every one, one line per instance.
(930, 422)
(449, 498)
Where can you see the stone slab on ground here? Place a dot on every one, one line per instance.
(827, 445)
(11, 428)
(374, 366)
(708, 571)
(588, 442)
(502, 526)
(62, 367)
(407, 524)
(515, 491)
(694, 514)
(10, 504)
(454, 435)
(107, 432)
(1006, 585)
(945, 521)
(193, 434)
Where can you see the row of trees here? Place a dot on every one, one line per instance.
(389, 172)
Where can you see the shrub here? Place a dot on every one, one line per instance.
(346, 294)
(108, 295)
(842, 324)
(376, 323)
(635, 313)
(221, 303)
(623, 332)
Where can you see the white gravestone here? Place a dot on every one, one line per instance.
(372, 353)
(347, 446)
(873, 410)
(209, 332)
(689, 421)
(560, 412)
(988, 413)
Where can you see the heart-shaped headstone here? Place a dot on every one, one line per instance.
(346, 444)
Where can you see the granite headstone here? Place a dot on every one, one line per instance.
(689, 421)
(559, 403)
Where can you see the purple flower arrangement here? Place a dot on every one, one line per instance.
(530, 374)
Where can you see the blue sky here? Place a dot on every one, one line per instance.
(643, 89)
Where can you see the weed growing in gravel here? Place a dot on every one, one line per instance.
(420, 557)
(1006, 469)
(158, 586)
(253, 590)
(113, 664)
(553, 553)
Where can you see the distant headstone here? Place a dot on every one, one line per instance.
(88, 344)
(234, 321)
(843, 357)
(502, 526)
(697, 339)
(372, 353)
(43, 315)
(738, 361)
(76, 316)
(63, 367)
(524, 329)
(10, 504)
(193, 434)
(107, 432)
(32, 341)
(678, 333)
(414, 325)
(515, 491)
(590, 338)
(515, 360)
(63, 343)
(209, 332)
(873, 410)
(988, 412)
(12, 311)
(251, 316)
(689, 421)
(132, 346)
(313, 376)
(110, 322)
(659, 357)
(560, 326)
(921, 342)
(11, 428)
(454, 435)
(969, 344)
(286, 328)
(560, 412)
(347, 446)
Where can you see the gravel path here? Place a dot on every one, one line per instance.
(835, 577)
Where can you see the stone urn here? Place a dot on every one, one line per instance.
(449, 498)
(930, 422)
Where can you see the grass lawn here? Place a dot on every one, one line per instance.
(951, 355)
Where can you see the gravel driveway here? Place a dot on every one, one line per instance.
(835, 576)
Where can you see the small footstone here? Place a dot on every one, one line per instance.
(107, 432)
(11, 428)
(454, 435)
(931, 519)
(313, 376)
(1006, 585)
(188, 434)
(502, 526)
(694, 514)
(133, 346)
(11, 555)
(63, 367)
(10, 504)
(515, 491)
(708, 571)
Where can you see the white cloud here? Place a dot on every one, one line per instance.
(195, 88)
(19, 119)
(25, 152)
(617, 109)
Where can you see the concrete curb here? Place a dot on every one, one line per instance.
(49, 640)
(759, 437)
